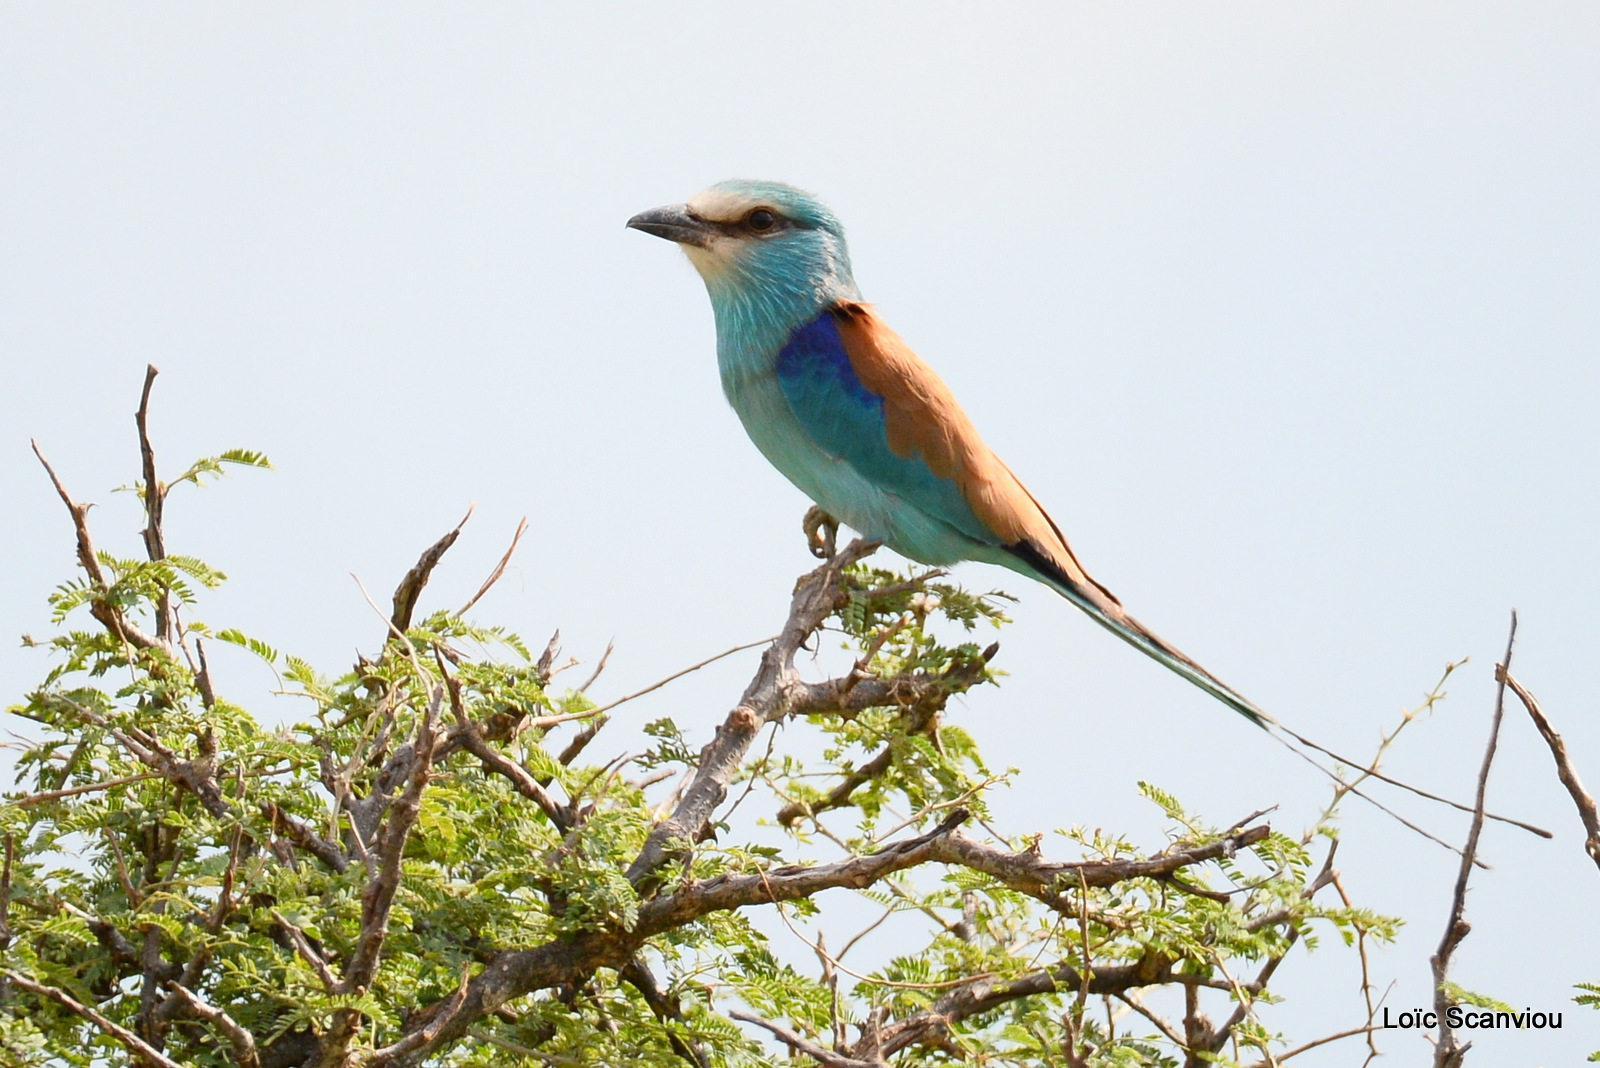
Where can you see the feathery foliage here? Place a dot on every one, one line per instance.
(429, 868)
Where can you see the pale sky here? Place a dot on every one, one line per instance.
(1288, 315)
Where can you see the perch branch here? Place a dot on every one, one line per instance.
(767, 698)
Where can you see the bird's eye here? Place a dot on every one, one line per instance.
(761, 220)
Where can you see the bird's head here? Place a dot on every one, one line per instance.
(761, 243)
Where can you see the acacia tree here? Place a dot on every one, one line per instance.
(433, 869)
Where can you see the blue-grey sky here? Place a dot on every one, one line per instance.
(1287, 313)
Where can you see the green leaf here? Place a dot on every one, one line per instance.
(260, 648)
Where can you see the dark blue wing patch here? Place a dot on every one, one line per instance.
(846, 419)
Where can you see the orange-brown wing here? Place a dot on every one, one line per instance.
(923, 419)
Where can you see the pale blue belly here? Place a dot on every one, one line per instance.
(839, 488)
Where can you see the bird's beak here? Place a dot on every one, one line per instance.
(675, 222)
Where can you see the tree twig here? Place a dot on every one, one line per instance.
(821, 1054)
(72, 791)
(308, 952)
(674, 677)
(499, 569)
(816, 597)
(136, 1045)
(1376, 774)
(1564, 766)
(497, 762)
(410, 588)
(667, 1009)
(108, 615)
(1447, 1051)
(384, 880)
(1381, 807)
(242, 1041)
(155, 499)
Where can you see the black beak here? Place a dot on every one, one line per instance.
(675, 223)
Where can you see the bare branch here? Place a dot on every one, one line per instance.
(1366, 969)
(202, 677)
(308, 952)
(1031, 874)
(1564, 767)
(1373, 772)
(5, 893)
(136, 1045)
(667, 1009)
(821, 1054)
(1365, 1029)
(155, 499)
(986, 994)
(72, 791)
(1447, 1052)
(524, 783)
(499, 569)
(303, 837)
(605, 658)
(1350, 788)
(767, 698)
(1136, 1003)
(384, 880)
(410, 588)
(242, 1041)
(103, 611)
(580, 741)
(674, 677)
(471, 738)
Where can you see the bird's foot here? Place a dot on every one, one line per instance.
(822, 533)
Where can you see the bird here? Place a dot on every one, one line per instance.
(844, 408)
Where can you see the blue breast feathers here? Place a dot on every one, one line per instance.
(846, 420)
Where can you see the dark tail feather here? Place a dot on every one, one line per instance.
(1110, 615)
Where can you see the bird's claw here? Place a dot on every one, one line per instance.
(822, 533)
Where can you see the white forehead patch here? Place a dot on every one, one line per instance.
(721, 205)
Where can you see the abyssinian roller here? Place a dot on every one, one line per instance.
(854, 418)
